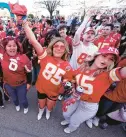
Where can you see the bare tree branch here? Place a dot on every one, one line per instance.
(119, 1)
(50, 5)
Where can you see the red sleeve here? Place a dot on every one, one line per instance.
(122, 63)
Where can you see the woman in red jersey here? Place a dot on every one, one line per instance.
(54, 68)
(15, 66)
(95, 78)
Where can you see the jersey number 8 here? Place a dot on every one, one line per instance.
(13, 65)
(81, 58)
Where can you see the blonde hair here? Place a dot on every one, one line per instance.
(86, 66)
(53, 42)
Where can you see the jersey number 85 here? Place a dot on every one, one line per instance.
(52, 73)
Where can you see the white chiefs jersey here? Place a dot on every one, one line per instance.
(80, 53)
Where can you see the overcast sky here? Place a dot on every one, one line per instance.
(29, 3)
(65, 10)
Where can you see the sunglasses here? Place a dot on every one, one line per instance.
(62, 47)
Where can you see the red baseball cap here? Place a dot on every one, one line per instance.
(109, 50)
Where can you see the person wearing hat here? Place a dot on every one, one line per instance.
(83, 49)
(62, 29)
(97, 72)
(112, 99)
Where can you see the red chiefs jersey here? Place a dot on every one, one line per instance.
(14, 68)
(95, 87)
(51, 74)
(117, 37)
(122, 63)
(102, 42)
